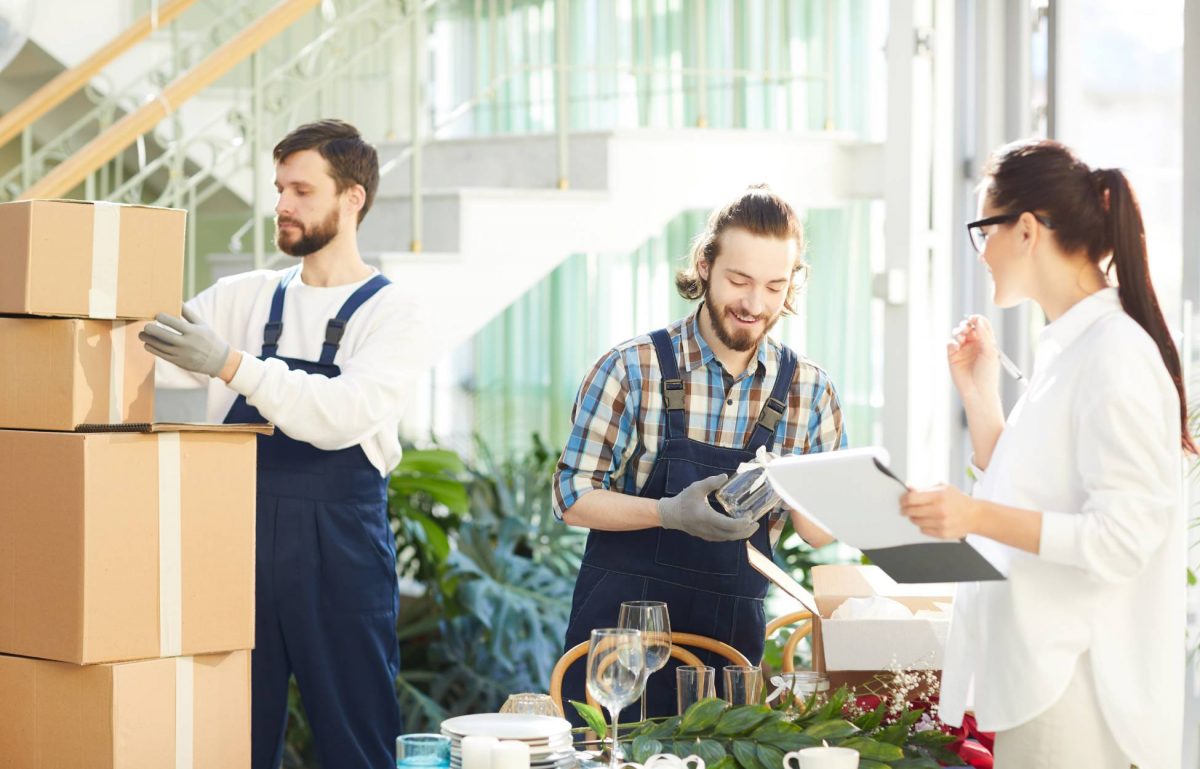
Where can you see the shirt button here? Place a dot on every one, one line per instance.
(729, 402)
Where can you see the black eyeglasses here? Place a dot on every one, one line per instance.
(979, 237)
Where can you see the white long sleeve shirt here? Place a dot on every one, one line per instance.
(362, 406)
(1093, 444)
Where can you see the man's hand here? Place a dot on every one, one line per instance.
(187, 342)
(689, 511)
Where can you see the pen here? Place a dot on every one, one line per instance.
(1010, 367)
(1006, 362)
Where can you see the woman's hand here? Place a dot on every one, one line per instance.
(942, 511)
(974, 361)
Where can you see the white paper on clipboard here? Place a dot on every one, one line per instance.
(766, 567)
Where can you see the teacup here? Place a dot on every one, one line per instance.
(821, 758)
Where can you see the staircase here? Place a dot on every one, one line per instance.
(498, 212)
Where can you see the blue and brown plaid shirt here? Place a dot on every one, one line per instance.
(619, 416)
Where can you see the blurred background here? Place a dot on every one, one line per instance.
(545, 166)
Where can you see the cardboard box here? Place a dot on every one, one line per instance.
(59, 373)
(186, 712)
(854, 651)
(124, 546)
(75, 258)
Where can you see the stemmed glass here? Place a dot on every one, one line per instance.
(616, 672)
(652, 619)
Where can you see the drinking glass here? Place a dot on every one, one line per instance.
(616, 672)
(694, 683)
(652, 619)
(427, 751)
(743, 684)
(528, 704)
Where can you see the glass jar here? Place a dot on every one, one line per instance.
(747, 495)
(807, 688)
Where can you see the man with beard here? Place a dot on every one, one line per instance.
(663, 418)
(328, 341)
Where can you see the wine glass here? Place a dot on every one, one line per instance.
(652, 619)
(616, 672)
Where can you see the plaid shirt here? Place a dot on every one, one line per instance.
(619, 416)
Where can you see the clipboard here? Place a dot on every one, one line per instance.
(855, 497)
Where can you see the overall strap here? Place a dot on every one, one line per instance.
(776, 405)
(672, 384)
(337, 325)
(274, 328)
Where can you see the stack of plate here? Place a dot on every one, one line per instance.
(549, 739)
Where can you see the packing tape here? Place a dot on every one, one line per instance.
(106, 246)
(170, 548)
(185, 697)
(116, 372)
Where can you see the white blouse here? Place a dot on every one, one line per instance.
(1093, 444)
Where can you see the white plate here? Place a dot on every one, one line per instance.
(508, 726)
(538, 754)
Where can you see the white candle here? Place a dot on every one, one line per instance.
(477, 752)
(510, 754)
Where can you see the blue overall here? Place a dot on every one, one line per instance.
(326, 591)
(709, 587)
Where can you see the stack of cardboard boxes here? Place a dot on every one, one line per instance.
(126, 548)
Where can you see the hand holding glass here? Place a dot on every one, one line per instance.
(616, 672)
(652, 619)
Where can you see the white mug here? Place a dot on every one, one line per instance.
(822, 758)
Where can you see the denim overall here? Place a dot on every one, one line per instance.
(709, 587)
(326, 593)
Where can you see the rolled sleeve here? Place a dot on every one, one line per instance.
(602, 428)
(826, 428)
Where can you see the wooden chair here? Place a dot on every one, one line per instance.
(678, 641)
(793, 641)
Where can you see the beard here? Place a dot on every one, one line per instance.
(739, 339)
(311, 239)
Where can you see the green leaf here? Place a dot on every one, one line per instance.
(709, 750)
(874, 751)
(916, 763)
(430, 461)
(773, 730)
(702, 715)
(870, 721)
(668, 728)
(868, 764)
(931, 737)
(746, 754)
(769, 755)
(795, 742)
(742, 720)
(831, 730)
(725, 763)
(644, 747)
(592, 717)
(896, 734)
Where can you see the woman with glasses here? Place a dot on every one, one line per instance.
(1077, 658)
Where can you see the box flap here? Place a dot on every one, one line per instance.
(178, 427)
(833, 584)
(93, 202)
(766, 567)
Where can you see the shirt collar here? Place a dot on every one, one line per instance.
(697, 353)
(1063, 332)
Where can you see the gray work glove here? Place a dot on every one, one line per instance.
(689, 511)
(187, 342)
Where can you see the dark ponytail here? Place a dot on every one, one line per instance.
(1093, 211)
(1128, 239)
